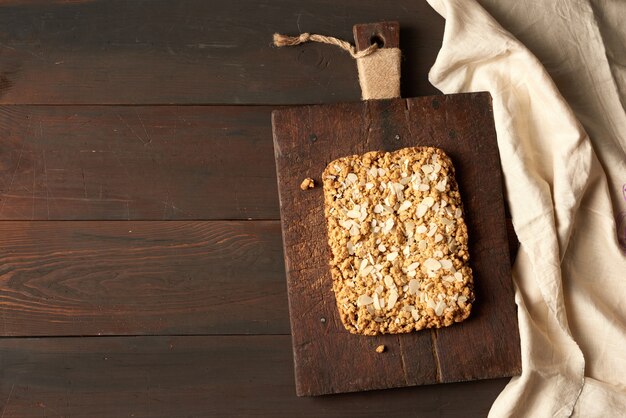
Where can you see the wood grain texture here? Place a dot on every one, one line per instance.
(136, 163)
(168, 163)
(326, 355)
(195, 377)
(121, 278)
(194, 51)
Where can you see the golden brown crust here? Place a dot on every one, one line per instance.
(398, 241)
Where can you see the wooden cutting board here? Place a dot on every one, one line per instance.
(327, 358)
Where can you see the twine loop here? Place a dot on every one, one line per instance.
(284, 40)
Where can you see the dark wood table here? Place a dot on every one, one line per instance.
(141, 265)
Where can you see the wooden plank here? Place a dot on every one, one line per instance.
(149, 163)
(189, 51)
(139, 163)
(326, 356)
(195, 376)
(131, 278)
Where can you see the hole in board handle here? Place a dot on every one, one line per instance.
(378, 40)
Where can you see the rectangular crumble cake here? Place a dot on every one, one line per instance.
(398, 241)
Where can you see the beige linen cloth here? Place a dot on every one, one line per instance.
(566, 189)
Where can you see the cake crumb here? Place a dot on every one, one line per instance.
(307, 183)
(381, 349)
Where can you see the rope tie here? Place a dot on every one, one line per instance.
(284, 40)
(379, 68)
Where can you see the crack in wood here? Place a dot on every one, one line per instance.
(6, 404)
(433, 341)
(368, 121)
(407, 116)
(404, 371)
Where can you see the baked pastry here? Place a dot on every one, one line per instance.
(398, 241)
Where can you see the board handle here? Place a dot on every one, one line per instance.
(379, 72)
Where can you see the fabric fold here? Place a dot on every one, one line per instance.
(551, 176)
